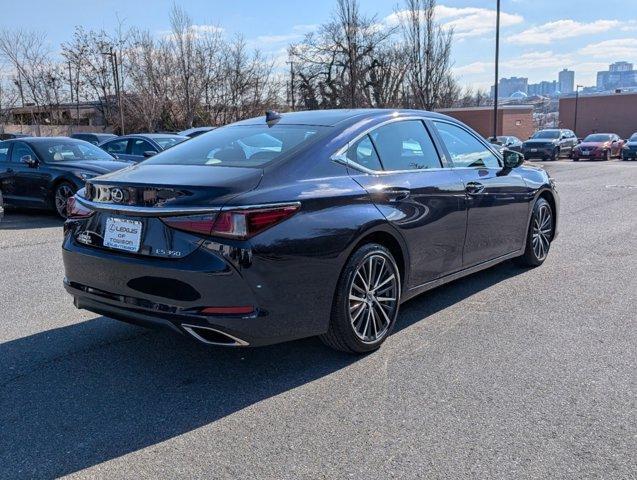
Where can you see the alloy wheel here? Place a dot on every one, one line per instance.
(373, 298)
(542, 229)
(62, 194)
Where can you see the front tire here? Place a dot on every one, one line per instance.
(366, 301)
(539, 236)
(63, 191)
(555, 155)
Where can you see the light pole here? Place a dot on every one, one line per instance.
(576, 102)
(497, 55)
(113, 57)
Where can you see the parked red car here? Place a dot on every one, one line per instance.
(602, 146)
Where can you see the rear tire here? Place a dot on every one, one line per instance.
(539, 236)
(366, 301)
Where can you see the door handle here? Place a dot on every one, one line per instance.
(474, 188)
(396, 194)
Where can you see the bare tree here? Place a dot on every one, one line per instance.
(429, 49)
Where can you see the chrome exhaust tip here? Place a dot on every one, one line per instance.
(213, 336)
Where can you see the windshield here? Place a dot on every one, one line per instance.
(547, 134)
(633, 138)
(597, 137)
(67, 150)
(167, 142)
(240, 145)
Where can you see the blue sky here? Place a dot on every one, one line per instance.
(539, 37)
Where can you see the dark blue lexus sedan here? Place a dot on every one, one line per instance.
(308, 223)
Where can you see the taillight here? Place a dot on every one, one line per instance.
(75, 210)
(241, 223)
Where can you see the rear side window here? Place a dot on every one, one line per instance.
(363, 153)
(116, 146)
(405, 146)
(465, 149)
(4, 151)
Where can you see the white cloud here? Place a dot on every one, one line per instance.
(537, 60)
(619, 48)
(297, 33)
(472, 68)
(465, 21)
(560, 29)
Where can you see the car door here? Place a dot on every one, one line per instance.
(498, 200)
(402, 171)
(31, 183)
(7, 174)
(118, 148)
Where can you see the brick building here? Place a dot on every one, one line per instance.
(516, 120)
(612, 113)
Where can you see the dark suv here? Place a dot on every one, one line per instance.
(549, 144)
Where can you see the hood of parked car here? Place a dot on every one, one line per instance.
(593, 144)
(540, 141)
(94, 166)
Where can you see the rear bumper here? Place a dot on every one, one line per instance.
(170, 293)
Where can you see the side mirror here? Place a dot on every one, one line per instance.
(512, 159)
(149, 153)
(29, 160)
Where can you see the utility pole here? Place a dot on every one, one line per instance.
(292, 85)
(497, 58)
(118, 91)
(576, 102)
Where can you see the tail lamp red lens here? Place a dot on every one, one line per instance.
(75, 210)
(240, 223)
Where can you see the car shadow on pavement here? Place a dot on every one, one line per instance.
(68, 402)
(15, 219)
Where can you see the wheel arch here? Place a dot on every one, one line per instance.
(54, 185)
(391, 242)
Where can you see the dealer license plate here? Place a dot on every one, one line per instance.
(123, 234)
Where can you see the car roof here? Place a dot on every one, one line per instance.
(330, 118)
(41, 139)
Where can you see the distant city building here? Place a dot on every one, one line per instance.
(508, 86)
(566, 80)
(543, 89)
(618, 75)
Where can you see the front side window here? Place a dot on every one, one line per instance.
(117, 147)
(240, 145)
(405, 146)
(167, 142)
(20, 150)
(465, 149)
(140, 146)
(363, 153)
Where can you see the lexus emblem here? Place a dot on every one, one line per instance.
(117, 195)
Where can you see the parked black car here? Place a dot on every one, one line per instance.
(196, 131)
(94, 138)
(138, 147)
(8, 136)
(629, 151)
(43, 172)
(549, 144)
(329, 224)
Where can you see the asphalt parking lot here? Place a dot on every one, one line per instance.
(508, 373)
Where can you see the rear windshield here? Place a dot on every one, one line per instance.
(68, 150)
(597, 137)
(240, 145)
(547, 134)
